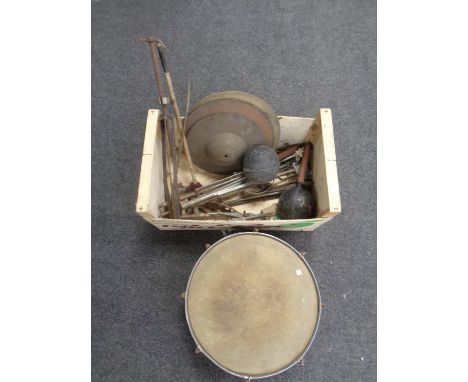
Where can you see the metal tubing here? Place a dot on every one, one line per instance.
(167, 195)
(155, 58)
(218, 193)
(175, 186)
(175, 106)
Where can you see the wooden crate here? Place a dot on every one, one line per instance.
(318, 130)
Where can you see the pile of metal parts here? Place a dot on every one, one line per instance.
(230, 133)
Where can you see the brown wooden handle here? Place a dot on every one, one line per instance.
(289, 151)
(304, 164)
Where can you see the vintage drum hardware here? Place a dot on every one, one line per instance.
(231, 185)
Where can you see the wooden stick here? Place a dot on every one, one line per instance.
(185, 123)
(287, 152)
(304, 164)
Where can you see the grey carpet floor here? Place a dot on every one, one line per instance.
(298, 56)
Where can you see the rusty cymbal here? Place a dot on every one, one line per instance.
(222, 126)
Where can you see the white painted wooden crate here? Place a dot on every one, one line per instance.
(318, 131)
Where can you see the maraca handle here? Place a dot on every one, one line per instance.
(304, 164)
(289, 151)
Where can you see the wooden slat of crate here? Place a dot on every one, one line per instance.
(149, 192)
(324, 170)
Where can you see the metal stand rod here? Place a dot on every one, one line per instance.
(167, 124)
(167, 195)
(167, 74)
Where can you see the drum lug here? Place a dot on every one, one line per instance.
(197, 350)
(302, 362)
(182, 295)
(303, 253)
(207, 246)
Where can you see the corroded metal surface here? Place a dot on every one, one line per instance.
(222, 126)
(252, 305)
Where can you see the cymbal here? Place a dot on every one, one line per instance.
(222, 126)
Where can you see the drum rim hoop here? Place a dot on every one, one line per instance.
(319, 302)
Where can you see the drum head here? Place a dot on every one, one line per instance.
(252, 305)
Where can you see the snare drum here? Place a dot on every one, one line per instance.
(252, 305)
